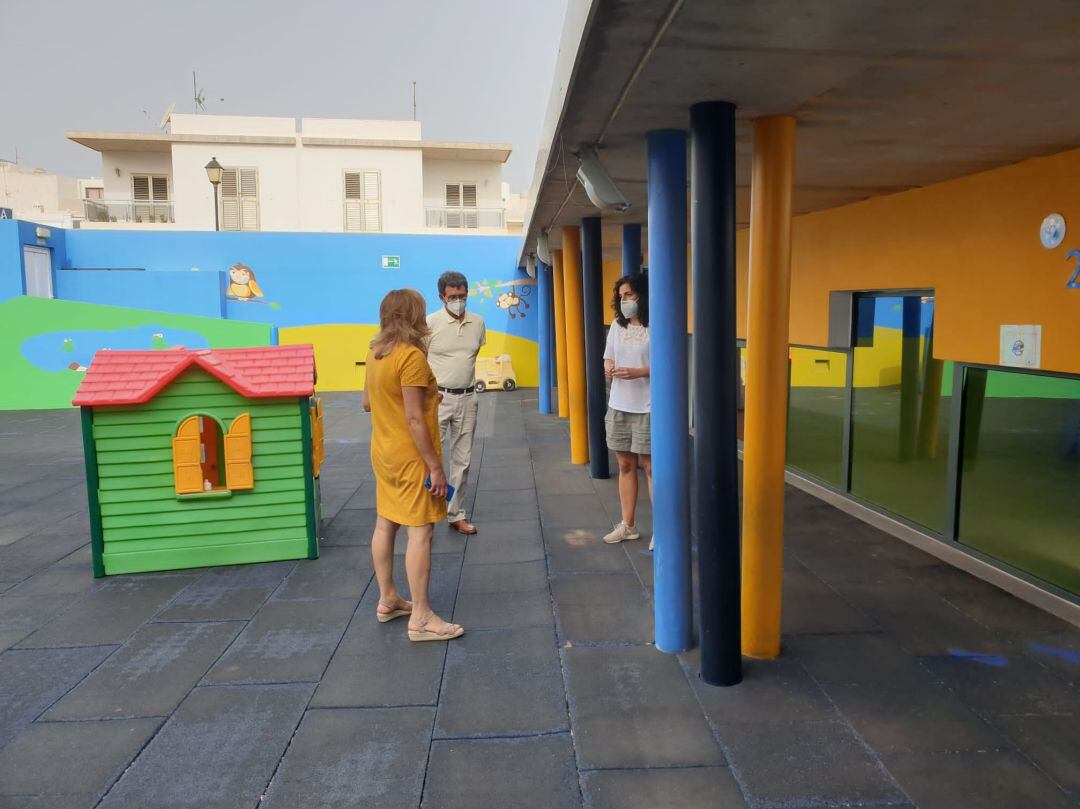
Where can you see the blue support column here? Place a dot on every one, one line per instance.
(592, 290)
(543, 329)
(631, 249)
(716, 470)
(670, 382)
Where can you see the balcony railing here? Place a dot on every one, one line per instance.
(465, 218)
(126, 210)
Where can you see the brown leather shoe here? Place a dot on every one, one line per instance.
(463, 527)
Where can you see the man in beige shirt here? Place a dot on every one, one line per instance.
(456, 338)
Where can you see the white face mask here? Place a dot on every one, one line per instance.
(629, 309)
(456, 308)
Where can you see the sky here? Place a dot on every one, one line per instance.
(483, 68)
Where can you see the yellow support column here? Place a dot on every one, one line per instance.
(575, 345)
(765, 431)
(560, 335)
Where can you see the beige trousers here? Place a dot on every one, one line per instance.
(457, 424)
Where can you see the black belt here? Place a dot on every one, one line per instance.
(458, 391)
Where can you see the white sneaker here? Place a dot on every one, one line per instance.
(651, 543)
(622, 531)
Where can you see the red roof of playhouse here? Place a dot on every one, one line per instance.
(136, 377)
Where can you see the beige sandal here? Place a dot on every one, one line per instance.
(390, 616)
(450, 632)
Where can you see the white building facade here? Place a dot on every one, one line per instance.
(37, 195)
(322, 175)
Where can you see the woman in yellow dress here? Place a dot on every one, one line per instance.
(403, 399)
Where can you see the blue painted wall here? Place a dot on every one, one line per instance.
(186, 293)
(309, 278)
(14, 235)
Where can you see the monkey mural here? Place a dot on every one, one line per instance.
(513, 301)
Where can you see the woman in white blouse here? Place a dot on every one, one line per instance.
(626, 363)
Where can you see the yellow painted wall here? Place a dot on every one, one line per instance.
(338, 347)
(974, 240)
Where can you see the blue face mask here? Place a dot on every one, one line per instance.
(629, 309)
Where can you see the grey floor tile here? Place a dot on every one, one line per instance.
(363, 498)
(692, 788)
(376, 664)
(530, 773)
(1052, 742)
(286, 641)
(349, 526)
(502, 683)
(508, 506)
(63, 758)
(512, 577)
(227, 593)
(111, 613)
(602, 607)
(337, 573)
(355, 758)
(574, 511)
(494, 547)
(916, 715)
(632, 707)
(991, 779)
(510, 610)
(150, 674)
(1006, 684)
(232, 737)
(770, 688)
(856, 659)
(506, 478)
(1057, 651)
(33, 679)
(27, 613)
(578, 550)
(58, 580)
(813, 763)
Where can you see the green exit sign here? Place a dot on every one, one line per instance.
(391, 262)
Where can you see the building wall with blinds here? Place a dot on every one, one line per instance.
(363, 201)
(149, 188)
(460, 198)
(240, 199)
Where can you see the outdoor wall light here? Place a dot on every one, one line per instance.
(214, 170)
(543, 248)
(598, 184)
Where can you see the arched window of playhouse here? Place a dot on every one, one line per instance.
(204, 460)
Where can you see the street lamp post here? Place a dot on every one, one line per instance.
(214, 171)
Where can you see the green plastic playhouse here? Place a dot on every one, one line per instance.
(199, 458)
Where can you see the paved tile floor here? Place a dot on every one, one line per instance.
(903, 682)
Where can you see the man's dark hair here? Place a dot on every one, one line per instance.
(640, 284)
(452, 278)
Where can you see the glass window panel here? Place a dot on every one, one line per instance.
(1020, 473)
(816, 401)
(900, 409)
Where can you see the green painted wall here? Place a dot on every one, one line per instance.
(33, 351)
(144, 525)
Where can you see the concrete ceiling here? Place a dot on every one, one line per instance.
(888, 96)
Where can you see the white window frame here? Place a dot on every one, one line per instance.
(361, 202)
(150, 186)
(457, 217)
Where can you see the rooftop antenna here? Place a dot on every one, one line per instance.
(200, 100)
(414, 100)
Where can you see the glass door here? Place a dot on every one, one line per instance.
(900, 403)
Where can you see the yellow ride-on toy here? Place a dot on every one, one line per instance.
(495, 372)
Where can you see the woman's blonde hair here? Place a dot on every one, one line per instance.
(402, 321)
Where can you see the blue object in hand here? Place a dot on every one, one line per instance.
(449, 488)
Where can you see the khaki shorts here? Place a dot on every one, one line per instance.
(628, 432)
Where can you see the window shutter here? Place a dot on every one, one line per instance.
(372, 201)
(249, 199)
(238, 470)
(230, 201)
(140, 188)
(453, 196)
(354, 208)
(468, 196)
(187, 453)
(160, 188)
